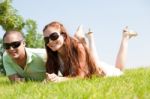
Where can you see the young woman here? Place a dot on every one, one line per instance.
(72, 56)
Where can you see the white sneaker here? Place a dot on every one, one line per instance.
(129, 33)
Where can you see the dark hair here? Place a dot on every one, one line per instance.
(13, 31)
(72, 53)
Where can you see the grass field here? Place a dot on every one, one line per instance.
(134, 84)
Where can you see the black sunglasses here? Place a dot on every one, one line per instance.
(54, 36)
(14, 45)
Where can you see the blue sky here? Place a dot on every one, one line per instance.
(106, 18)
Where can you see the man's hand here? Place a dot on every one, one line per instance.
(15, 78)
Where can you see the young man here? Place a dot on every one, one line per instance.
(22, 63)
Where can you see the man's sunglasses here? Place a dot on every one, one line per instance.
(54, 36)
(14, 45)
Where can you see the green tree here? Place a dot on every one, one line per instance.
(33, 38)
(1, 59)
(9, 19)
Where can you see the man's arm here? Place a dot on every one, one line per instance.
(15, 78)
(10, 71)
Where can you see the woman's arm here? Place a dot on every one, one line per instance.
(82, 69)
(55, 78)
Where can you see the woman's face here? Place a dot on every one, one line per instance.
(53, 39)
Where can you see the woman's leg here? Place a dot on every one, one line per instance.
(89, 42)
(92, 47)
(121, 57)
(79, 35)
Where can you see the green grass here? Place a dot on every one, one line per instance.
(134, 84)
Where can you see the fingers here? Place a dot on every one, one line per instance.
(52, 77)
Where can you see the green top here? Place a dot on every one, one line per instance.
(34, 69)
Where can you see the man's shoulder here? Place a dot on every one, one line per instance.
(7, 59)
(5, 55)
(36, 52)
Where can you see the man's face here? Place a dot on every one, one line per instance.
(14, 45)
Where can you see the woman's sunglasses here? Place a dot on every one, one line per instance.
(14, 45)
(54, 36)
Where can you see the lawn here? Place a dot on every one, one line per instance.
(134, 84)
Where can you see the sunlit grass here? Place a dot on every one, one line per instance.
(134, 84)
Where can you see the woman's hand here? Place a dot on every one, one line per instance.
(54, 78)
